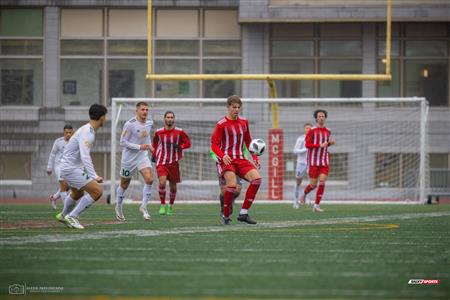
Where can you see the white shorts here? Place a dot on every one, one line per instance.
(301, 170)
(57, 171)
(129, 171)
(76, 177)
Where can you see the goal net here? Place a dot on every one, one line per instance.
(380, 152)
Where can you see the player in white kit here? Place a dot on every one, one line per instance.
(53, 165)
(302, 164)
(136, 143)
(78, 170)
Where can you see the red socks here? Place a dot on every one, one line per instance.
(320, 191)
(172, 196)
(308, 189)
(251, 193)
(228, 197)
(162, 194)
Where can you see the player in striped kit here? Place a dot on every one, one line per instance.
(168, 144)
(317, 141)
(227, 142)
(135, 141)
(302, 163)
(53, 164)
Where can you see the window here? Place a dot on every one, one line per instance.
(396, 170)
(21, 54)
(15, 166)
(420, 62)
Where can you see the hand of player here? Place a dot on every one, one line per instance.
(99, 179)
(153, 159)
(49, 172)
(226, 160)
(324, 144)
(176, 147)
(331, 142)
(146, 147)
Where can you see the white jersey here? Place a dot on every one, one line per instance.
(56, 154)
(300, 150)
(134, 134)
(77, 151)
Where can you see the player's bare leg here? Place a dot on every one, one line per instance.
(254, 178)
(146, 192)
(320, 191)
(162, 194)
(120, 192)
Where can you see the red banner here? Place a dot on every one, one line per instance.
(275, 164)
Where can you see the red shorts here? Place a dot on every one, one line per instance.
(171, 171)
(238, 166)
(314, 171)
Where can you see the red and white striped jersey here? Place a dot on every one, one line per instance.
(169, 145)
(229, 137)
(318, 156)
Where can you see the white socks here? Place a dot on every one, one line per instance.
(82, 205)
(243, 211)
(57, 195)
(296, 192)
(146, 194)
(120, 193)
(69, 204)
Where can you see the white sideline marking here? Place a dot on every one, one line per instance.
(56, 238)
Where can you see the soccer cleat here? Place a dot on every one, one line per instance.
(295, 204)
(302, 199)
(245, 218)
(53, 202)
(226, 221)
(119, 213)
(162, 209)
(59, 217)
(145, 213)
(73, 222)
(170, 210)
(316, 208)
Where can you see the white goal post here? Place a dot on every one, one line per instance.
(380, 152)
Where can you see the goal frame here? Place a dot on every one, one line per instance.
(116, 109)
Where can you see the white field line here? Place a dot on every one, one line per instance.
(57, 238)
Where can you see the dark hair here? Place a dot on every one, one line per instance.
(234, 99)
(307, 124)
(68, 126)
(320, 111)
(169, 112)
(96, 111)
(141, 103)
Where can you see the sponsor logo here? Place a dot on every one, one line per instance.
(424, 281)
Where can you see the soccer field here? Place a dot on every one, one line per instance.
(347, 252)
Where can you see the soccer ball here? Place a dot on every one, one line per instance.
(257, 147)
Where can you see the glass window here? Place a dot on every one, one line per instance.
(168, 23)
(221, 88)
(439, 160)
(292, 48)
(127, 78)
(21, 81)
(426, 48)
(293, 88)
(21, 22)
(81, 23)
(128, 22)
(387, 170)
(426, 29)
(409, 167)
(177, 47)
(343, 88)
(81, 81)
(389, 88)
(340, 29)
(339, 166)
(15, 166)
(221, 23)
(81, 47)
(340, 48)
(427, 79)
(176, 88)
(395, 29)
(395, 48)
(21, 47)
(292, 30)
(127, 47)
(222, 48)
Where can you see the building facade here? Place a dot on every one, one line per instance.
(59, 57)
